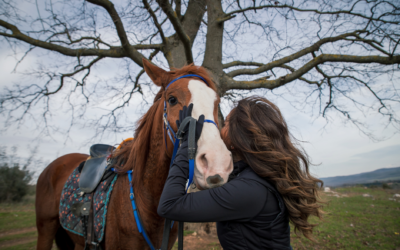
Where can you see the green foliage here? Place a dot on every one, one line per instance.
(13, 182)
(386, 186)
(14, 177)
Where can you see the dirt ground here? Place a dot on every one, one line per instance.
(196, 242)
(200, 236)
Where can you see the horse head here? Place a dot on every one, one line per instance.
(213, 162)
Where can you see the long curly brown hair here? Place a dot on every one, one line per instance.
(257, 133)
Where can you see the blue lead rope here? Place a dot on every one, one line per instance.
(191, 173)
(139, 222)
(135, 213)
(176, 147)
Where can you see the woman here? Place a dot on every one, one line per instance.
(270, 185)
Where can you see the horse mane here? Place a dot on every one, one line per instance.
(133, 154)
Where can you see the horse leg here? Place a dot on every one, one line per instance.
(63, 241)
(78, 247)
(47, 220)
(46, 233)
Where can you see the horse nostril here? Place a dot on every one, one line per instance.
(204, 161)
(215, 179)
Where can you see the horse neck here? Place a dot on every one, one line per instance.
(156, 166)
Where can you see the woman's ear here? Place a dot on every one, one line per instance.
(155, 73)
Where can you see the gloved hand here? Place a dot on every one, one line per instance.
(187, 111)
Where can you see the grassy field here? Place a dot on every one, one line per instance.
(352, 222)
(356, 222)
(17, 225)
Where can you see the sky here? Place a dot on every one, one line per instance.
(335, 148)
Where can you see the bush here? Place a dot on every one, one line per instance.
(386, 186)
(13, 182)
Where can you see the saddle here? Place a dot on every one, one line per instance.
(86, 195)
(95, 167)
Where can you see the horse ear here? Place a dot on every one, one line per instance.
(155, 73)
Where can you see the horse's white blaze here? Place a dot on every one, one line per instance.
(212, 156)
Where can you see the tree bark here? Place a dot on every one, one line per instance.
(191, 22)
(214, 38)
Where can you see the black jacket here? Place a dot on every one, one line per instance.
(249, 212)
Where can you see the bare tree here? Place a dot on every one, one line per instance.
(328, 48)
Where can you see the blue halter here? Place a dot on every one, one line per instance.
(168, 129)
(175, 141)
(167, 126)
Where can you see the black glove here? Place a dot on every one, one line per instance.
(187, 111)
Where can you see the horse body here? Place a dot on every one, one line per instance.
(48, 192)
(149, 157)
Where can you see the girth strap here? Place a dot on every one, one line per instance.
(167, 230)
(180, 235)
(88, 227)
(166, 233)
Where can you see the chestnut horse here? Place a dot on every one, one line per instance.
(149, 157)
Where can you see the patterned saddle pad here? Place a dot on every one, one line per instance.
(71, 195)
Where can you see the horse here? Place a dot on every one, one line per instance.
(148, 156)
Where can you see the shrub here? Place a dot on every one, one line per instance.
(13, 182)
(386, 186)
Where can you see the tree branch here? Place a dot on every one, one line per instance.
(80, 40)
(131, 52)
(287, 59)
(16, 33)
(241, 63)
(176, 23)
(271, 84)
(348, 12)
(153, 15)
(178, 8)
(72, 74)
(114, 52)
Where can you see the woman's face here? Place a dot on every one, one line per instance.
(226, 139)
(224, 133)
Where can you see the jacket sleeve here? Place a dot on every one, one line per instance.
(239, 199)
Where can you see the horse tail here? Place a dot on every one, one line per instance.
(63, 241)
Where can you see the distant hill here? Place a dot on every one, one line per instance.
(380, 175)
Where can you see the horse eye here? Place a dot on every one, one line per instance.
(172, 101)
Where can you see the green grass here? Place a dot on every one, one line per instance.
(16, 220)
(27, 204)
(18, 236)
(17, 215)
(214, 246)
(26, 246)
(187, 232)
(357, 222)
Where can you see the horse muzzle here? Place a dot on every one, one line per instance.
(213, 167)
